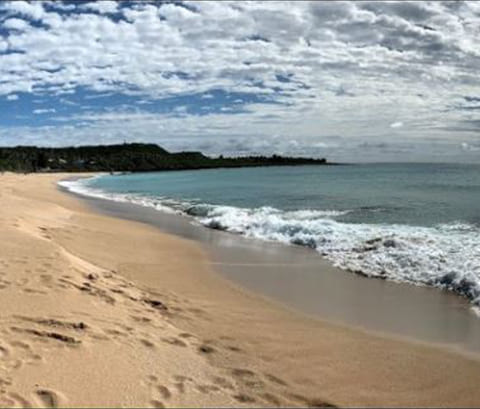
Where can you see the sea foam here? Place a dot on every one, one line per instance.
(445, 256)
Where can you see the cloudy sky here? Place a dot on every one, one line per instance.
(350, 81)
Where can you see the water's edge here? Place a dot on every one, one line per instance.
(302, 279)
(445, 255)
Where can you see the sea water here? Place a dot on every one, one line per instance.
(415, 223)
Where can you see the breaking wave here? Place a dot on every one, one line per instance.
(445, 256)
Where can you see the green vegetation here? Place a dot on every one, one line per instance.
(133, 157)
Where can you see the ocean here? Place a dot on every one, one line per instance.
(415, 223)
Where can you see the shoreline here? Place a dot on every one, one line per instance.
(299, 278)
(100, 311)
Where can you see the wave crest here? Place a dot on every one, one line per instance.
(445, 256)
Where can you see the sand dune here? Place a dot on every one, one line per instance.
(101, 312)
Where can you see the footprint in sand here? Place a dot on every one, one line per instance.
(207, 388)
(311, 402)
(4, 352)
(242, 373)
(116, 332)
(158, 389)
(271, 399)
(147, 343)
(141, 319)
(248, 378)
(174, 341)
(234, 348)
(223, 383)
(164, 391)
(4, 382)
(180, 386)
(49, 335)
(180, 381)
(21, 345)
(48, 398)
(4, 284)
(275, 379)
(206, 349)
(34, 291)
(243, 398)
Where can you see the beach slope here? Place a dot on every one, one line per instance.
(97, 311)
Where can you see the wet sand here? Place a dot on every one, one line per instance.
(300, 278)
(96, 311)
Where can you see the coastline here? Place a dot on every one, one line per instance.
(84, 324)
(300, 278)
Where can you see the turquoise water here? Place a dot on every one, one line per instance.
(418, 194)
(418, 223)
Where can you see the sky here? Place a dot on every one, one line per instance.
(349, 81)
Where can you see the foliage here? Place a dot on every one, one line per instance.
(133, 157)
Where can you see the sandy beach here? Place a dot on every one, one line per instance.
(97, 311)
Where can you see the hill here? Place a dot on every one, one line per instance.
(132, 157)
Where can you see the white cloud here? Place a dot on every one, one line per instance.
(210, 46)
(333, 68)
(12, 97)
(15, 24)
(33, 10)
(59, 5)
(102, 7)
(44, 111)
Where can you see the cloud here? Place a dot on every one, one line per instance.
(101, 7)
(43, 111)
(16, 24)
(161, 37)
(33, 10)
(12, 97)
(299, 70)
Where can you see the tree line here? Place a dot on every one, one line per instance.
(132, 157)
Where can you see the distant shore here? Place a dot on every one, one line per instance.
(130, 157)
(99, 311)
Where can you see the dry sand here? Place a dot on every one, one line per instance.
(97, 311)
